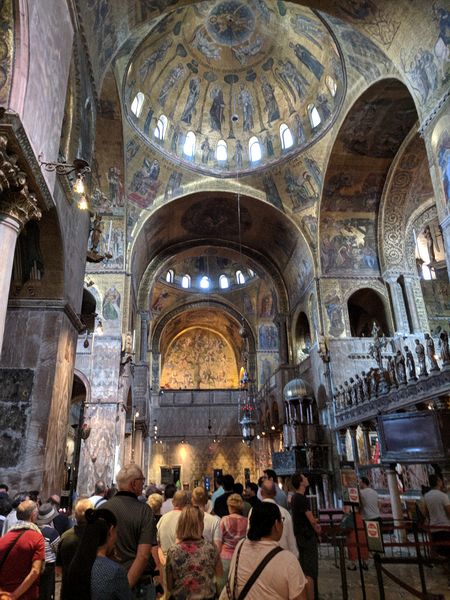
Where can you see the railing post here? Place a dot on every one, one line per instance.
(377, 560)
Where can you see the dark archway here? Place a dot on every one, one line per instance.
(364, 308)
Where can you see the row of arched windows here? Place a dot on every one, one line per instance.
(221, 153)
(205, 281)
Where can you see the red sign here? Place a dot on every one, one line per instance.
(353, 494)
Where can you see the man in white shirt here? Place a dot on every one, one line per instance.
(211, 523)
(437, 504)
(287, 540)
(167, 525)
(98, 497)
(169, 492)
(282, 578)
(369, 509)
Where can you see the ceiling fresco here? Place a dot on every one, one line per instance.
(230, 71)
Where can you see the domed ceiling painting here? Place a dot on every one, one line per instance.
(230, 87)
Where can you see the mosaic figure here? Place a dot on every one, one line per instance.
(158, 55)
(171, 80)
(271, 105)
(246, 103)
(292, 78)
(310, 62)
(216, 112)
(194, 91)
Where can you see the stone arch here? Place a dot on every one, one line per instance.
(409, 171)
(378, 288)
(357, 169)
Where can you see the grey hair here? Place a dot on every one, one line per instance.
(126, 475)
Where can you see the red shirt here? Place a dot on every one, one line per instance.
(29, 547)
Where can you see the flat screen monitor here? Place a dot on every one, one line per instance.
(410, 437)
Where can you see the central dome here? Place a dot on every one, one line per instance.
(231, 87)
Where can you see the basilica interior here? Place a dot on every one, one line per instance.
(225, 230)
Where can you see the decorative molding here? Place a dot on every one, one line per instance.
(433, 113)
(19, 145)
(48, 306)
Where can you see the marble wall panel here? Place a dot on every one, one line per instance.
(51, 32)
(49, 352)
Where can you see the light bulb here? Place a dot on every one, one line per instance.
(83, 203)
(78, 186)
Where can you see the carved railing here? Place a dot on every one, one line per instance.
(392, 397)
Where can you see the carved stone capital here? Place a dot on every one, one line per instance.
(20, 205)
(16, 200)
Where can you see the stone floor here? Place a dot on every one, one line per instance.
(330, 581)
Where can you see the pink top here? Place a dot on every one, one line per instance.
(233, 528)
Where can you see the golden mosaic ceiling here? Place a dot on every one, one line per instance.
(229, 87)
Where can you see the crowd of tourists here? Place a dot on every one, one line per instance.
(123, 544)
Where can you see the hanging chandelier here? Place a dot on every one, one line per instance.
(247, 402)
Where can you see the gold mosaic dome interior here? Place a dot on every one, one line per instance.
(219, 87)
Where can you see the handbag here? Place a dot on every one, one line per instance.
(253, 577)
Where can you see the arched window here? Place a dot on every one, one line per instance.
(221, 150)
(286, 137)
(186, 281)
(137, 104)
(169, 276)
(223, 282)
(204, 282)
(314, 116)
(254, 149)
(161, 128)
(251, 273)
(366, 307)
(331, 85)
(240, 279)
(189, 144)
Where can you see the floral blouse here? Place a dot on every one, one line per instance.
(190, 570)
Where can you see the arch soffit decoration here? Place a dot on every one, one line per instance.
(156, 262)
(393, 213)
(338, 132)
(200, 305)
(157, 265)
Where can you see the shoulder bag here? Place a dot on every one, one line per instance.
(254, 576)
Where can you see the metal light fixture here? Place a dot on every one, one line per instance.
(80, 167)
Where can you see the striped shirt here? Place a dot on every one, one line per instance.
(51, 537)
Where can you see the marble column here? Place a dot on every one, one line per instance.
(326, 490)
(409, 288)
(143, 349)
(342, 433)
(396, 504)
(366, 441)
(17, 206)
(398, 305)
(354, 445)
(281, 323)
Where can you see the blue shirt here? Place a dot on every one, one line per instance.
(109, 581)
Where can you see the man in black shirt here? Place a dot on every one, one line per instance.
(220, 505)
(306, 530)
(136, 532)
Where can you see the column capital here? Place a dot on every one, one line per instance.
(20, 205)
(16, 200)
